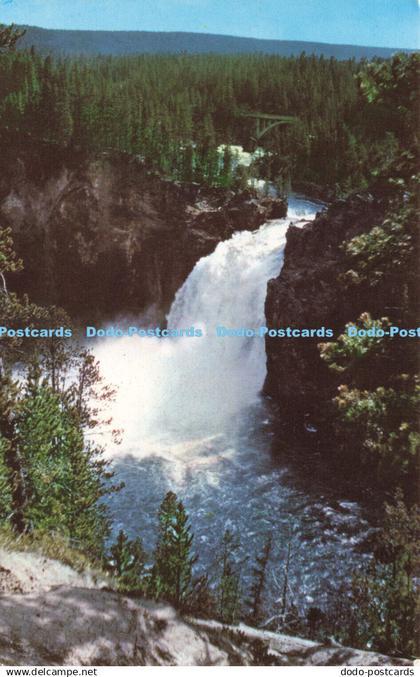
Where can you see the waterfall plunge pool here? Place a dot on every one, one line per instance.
(195, 423)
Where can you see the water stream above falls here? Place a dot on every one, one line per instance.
(195, 423)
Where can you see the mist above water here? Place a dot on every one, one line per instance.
(194, 385)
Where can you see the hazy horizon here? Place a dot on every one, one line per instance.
(379, 23)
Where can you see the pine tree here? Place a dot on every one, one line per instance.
(63, 117)
(13, 479)
(127, 562)
(51, 479)
(229, 591)
(172, 576)
(6, 495)
(381, 610)
(9, 35)
(226, 177)
(57, 480)
(259, 581)
(39, 434)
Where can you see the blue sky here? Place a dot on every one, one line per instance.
(388, 23)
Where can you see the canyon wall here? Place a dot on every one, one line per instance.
(310, 292)
(101, 235)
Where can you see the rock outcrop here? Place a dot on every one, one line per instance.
(64, 618)
(308, 294)
(33, 572)
(102, 235)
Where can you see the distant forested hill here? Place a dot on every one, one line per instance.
(131, 42)
(174, 111)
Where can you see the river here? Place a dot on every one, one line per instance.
(195, 423)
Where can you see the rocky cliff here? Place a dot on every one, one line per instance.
(50, 615)
(308, 293)
(102, 235)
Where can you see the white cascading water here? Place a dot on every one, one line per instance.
(194, 422)
(182, 387)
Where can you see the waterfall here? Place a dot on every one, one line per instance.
(217, 377)
(179, 387)
(194, 423)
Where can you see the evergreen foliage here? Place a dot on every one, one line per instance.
(259, 572)
(174, 111)
(127, 562)
(52, 479)
(376, 408)
(9, 35)
(381, 610)
(229, 588)
(5, 485)
(56, 479)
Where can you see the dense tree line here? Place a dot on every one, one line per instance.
(375, 411)
(174, 111)
(52, 478)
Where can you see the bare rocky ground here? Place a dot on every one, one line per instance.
(52, 615)
(30, 572)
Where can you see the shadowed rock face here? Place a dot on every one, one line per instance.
(81, 626)
(308, 294)
(101, 235)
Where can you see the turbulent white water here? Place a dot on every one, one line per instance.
(183, 386)
(194, 421)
